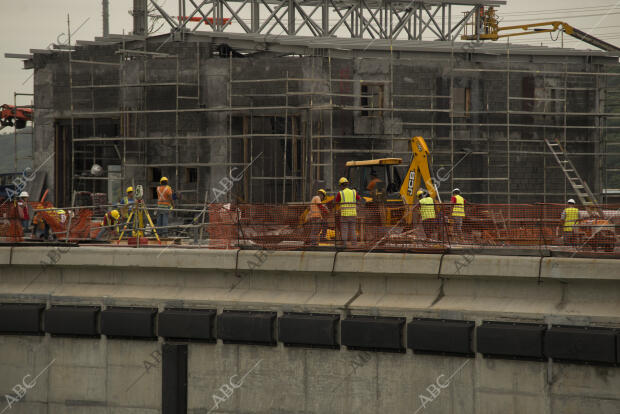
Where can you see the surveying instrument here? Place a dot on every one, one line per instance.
(136, 219)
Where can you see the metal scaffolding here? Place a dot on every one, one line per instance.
(297, 121)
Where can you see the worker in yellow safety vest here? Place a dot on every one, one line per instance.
(458, 211)
(164, 205)
(348, 199)
(109, 225)
(570, 217)
(127, 203)
(427, 213)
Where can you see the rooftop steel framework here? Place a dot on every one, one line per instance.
(374, 19)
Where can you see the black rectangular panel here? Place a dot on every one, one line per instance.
(440, 336)
(21, 318)
(510, 340)
(618, 347)
(246, 327)
(186, 324)
(373, 333)
(72, 320)
(128, 323)
(174, 379)
(581, 344)
(308, 329)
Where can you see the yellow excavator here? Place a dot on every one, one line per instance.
(486, 27)
(390, 185)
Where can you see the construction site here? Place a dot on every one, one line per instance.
(284, 113)
(252, 111)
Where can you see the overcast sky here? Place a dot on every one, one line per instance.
(36, 24)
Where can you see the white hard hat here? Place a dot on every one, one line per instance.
(24, 194)
(571, 201)
(96, 170)
(456, 190)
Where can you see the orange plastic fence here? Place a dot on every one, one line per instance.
(375, 227)
(57, 221)
(402, 228)
(10, 223)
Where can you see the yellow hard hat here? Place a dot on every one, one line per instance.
(322, 192)
(115, 214)
(419, 193)
(129, 189)
(61, 212)
(342, 180)
(163, 179)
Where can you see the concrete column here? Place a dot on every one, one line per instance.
(140, 17)
(106, 17)
(43, 145)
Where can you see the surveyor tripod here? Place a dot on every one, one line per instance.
(135, 220)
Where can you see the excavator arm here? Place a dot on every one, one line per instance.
(492, 31)
(419, 172)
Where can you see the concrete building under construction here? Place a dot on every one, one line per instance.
(286, 111)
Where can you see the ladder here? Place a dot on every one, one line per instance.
(581, 187)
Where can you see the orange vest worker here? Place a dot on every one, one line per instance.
(164, 195)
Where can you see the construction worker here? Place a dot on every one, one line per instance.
(109, 225)
(316, 220)
(570, 216)
(24, 213)
(127, 203)
(348, 199)
(458, 211)
(164, 205)
(40, 226)
(374, 181)
(427, 213)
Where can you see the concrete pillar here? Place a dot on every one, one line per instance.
(140, 17)
(106, 17)
(43, 145)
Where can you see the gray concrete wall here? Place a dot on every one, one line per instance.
(205, 75)
(92, 375)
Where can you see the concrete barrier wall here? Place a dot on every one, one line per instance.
(96, 375)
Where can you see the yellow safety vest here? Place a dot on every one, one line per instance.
(427, 208)
(459, 208)
(347, 203)
(571, 215)
(126, 204)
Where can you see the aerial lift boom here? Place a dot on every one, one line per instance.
(491, 30)
(14, 116)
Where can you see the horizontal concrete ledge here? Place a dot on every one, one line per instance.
(432, 265)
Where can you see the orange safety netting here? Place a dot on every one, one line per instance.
(64, 224)
(374, 227)
(10, 224)
(401, 228)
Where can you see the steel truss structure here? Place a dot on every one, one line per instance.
(374, 19)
